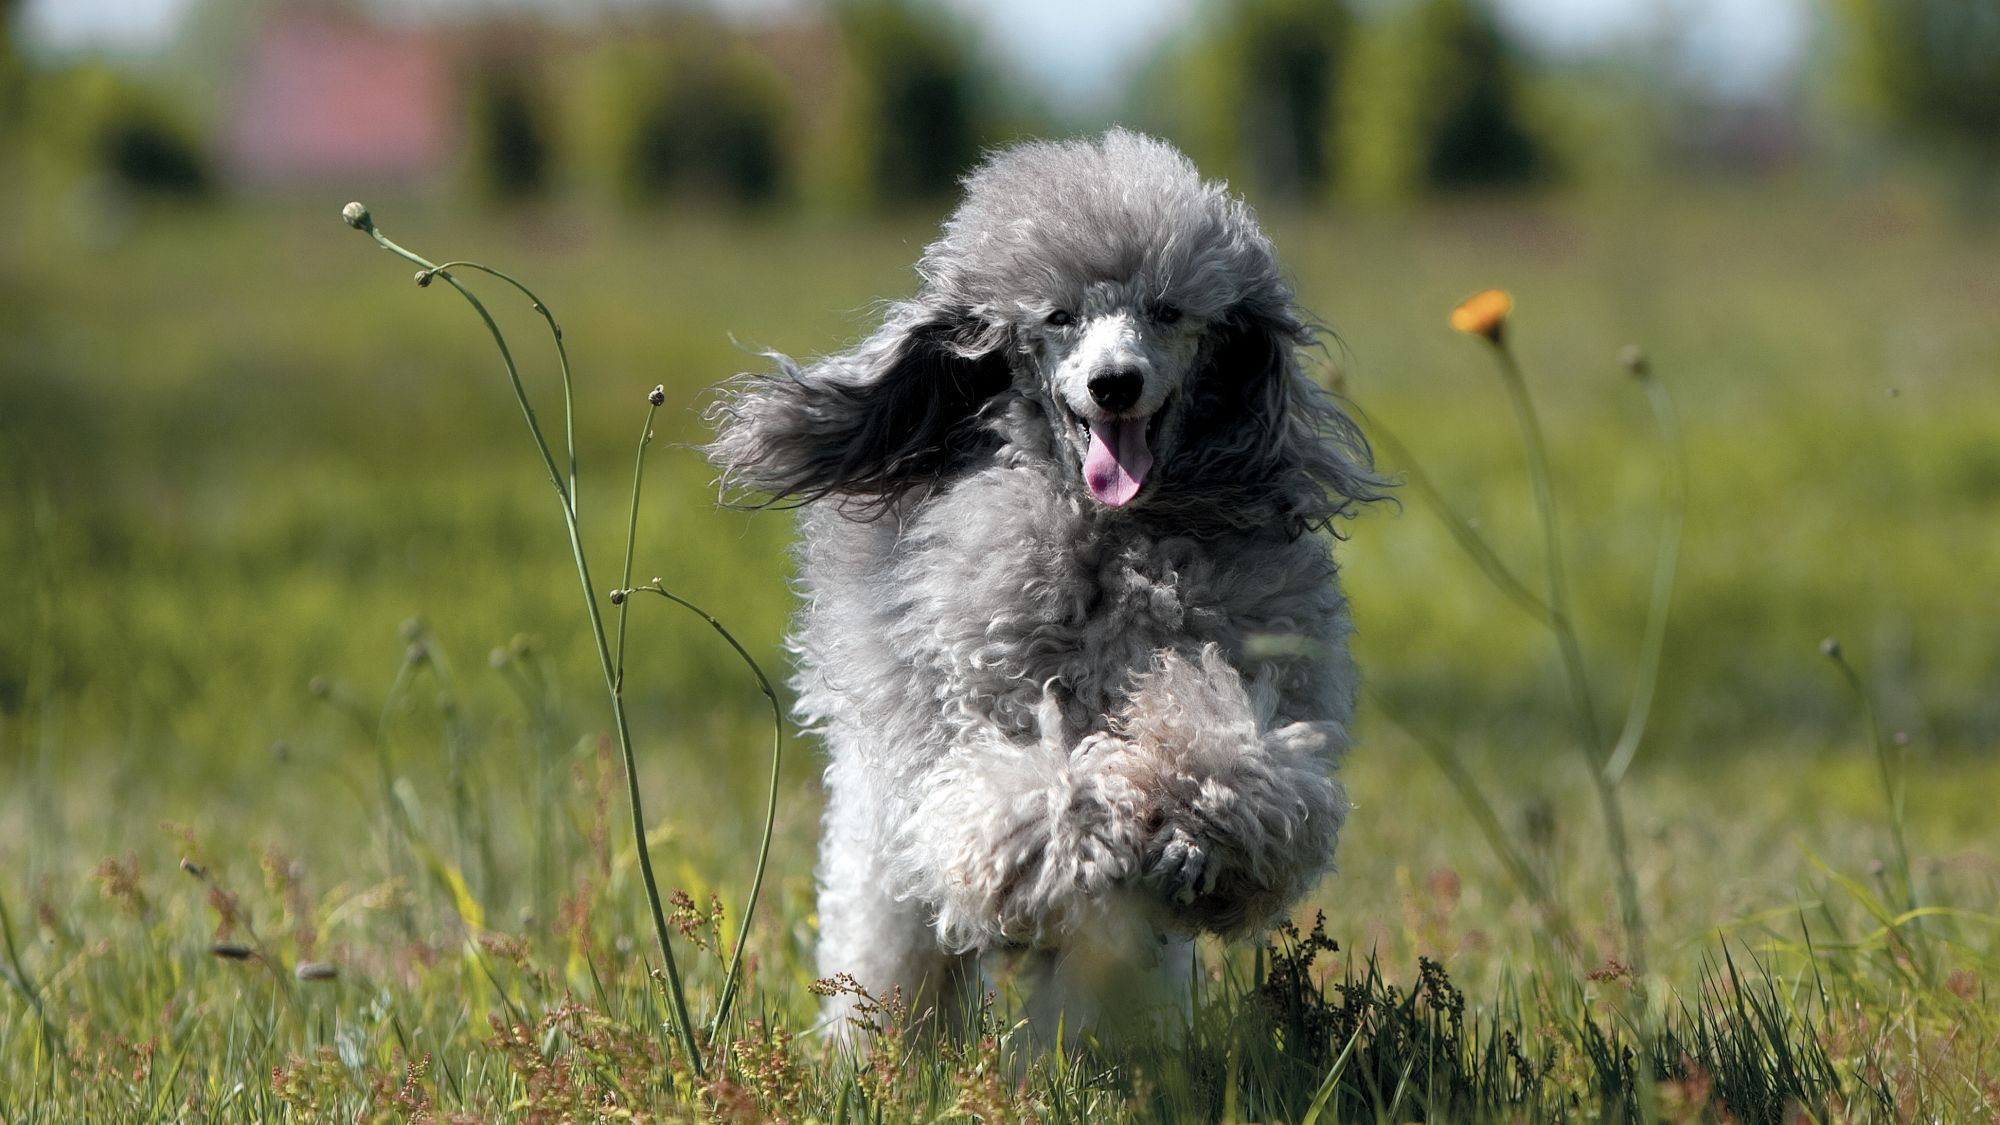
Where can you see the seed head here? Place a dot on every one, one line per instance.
(319, 687)
(358, 217)
(416, 653)
(1830, 648)
(411, 628)
(1633, 360)
(497, 658)
(657, 395)
(617, 597)
(1483, 314)
(424, 278)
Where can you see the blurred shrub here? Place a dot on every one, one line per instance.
(13, 71)
(714, 127)
(1436, 104)
(686, 111)
(146, 153)
(507, 131)
(1265, 82)
(915, 103)
(93, 122)
(1932, 67)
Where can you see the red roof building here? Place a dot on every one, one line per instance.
(325, 95)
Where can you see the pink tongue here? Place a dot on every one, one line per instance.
(1118, 460)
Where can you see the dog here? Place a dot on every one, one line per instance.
(1072, 632)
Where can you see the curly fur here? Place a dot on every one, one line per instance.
(1049, 723)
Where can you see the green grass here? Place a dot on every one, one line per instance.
(241, 451)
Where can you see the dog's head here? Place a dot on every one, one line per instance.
(1139, 310)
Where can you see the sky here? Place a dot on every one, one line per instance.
(1080, 50)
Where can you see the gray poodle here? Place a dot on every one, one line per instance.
(1077, 653)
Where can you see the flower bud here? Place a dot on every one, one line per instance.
(657, 395)
(358, 217)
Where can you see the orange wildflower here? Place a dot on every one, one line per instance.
(1483, 314)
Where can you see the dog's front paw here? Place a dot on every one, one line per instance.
(1180, 868)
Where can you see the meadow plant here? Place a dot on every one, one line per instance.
(611, 662)
(1485, 316)
(1297, 1035)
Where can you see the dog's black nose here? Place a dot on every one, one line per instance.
(1117, 388)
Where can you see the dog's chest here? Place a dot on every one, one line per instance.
(1072, 608)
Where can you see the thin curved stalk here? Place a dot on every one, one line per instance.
(1456, 772)
(1891, 769)
(632, 532)
(17, 975)
(1673, 518)
(1461, 529)
(359, 218)
(729, 979)
(1561, 623)
(562, 364)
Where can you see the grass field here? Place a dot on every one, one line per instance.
(287, 598)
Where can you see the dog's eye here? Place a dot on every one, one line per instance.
(1061, 319)
(1167, 314)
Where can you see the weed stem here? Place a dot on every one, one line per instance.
(683, 1025)
(1562, 623)
(1673, 517)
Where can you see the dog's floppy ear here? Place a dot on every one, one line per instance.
(896, 411)
(1262, 435)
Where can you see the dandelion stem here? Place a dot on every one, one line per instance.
(1672, 519)
(1562, 624)
(683, 1025)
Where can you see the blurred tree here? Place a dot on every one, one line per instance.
(711, 125)
(1931, 66)
(1436, 104)
(915, 103)
(13, 72)
(93, 121)
(509, 136)
(148, 154)
(1266, 91)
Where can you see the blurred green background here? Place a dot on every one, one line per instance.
(238, 449)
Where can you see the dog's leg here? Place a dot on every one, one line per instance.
(1242, 812)
(1018, 843)
(886, 943)
(1123, 980)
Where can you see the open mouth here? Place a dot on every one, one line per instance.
(1118, 453)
